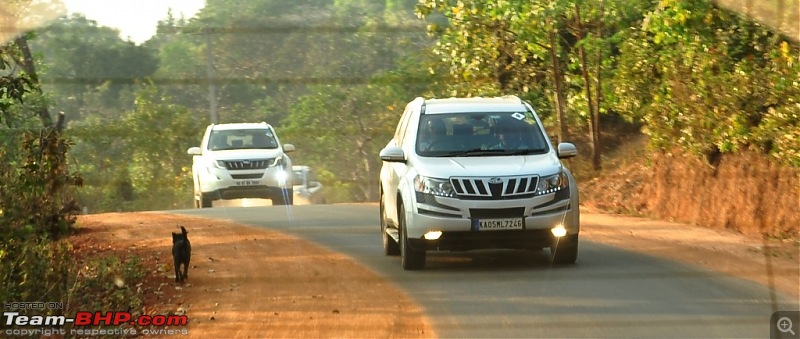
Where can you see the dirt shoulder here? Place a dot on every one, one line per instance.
(250, 282)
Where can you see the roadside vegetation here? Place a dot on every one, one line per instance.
(701, 84)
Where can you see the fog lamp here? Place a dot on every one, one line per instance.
(559, 231)
(433, 235)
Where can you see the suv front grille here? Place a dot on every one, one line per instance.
(246, 164)
(515, 187)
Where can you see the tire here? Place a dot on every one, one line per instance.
(201, 201)
(286, 198)
(565, 250)
(390, 247)
(410, 259)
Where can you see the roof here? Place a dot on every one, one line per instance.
(235, 126)
(476, 104)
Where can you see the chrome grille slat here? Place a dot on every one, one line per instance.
(246, 164)
(505, 187)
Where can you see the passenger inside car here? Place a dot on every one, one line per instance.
(218, 142)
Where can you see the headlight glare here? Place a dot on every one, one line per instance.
(281, 176)
(434, 186)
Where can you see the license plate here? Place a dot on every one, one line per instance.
(497, 224)
(247, 183)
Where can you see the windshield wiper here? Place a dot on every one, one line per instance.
(474, 152)
(526, 151)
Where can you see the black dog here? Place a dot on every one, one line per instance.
(181, 253)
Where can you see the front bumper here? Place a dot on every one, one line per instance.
(457, 220)
(262, 183)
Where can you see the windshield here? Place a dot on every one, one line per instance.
(479, 134)
(242, 139)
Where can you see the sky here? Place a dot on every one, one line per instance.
(136, 19)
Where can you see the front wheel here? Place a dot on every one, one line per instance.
(202, 201)
(285, 198)
(410, 258)
(565, 250)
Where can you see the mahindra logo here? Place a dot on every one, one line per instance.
(246, 162)
(495, 180)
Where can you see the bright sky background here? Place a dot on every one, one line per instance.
(136, 19)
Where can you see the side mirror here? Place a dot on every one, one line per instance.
(194, 151)
(288, 148)
(566, 150)
(393, 154)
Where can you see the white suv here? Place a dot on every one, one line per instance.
(244, 160)
(476, 173)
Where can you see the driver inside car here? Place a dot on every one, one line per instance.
(434, 131)
(509, 135)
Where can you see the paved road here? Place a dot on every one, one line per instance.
(502, 294)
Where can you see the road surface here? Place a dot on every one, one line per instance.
(610, 292)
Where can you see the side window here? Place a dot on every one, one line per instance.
(403, 125)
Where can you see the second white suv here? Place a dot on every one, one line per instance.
(242, 160)
(476, 173)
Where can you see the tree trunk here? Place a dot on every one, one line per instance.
(598, 91)
(29, 67)
(594, 129)
(558, 78)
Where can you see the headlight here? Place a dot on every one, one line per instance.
(552, 183)
(276, 162)
(438, 187)
(219, 164)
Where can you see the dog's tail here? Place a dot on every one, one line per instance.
(183, 230)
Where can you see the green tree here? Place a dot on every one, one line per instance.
(138, 161)
(78, 57)
(710, 81)
(341, 129)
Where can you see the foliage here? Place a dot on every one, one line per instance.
(18, 89)
(36, 195)
(78, 58)
(710, 81)
(107, 283)
(35, 271)
(35, 183)
(555, 54)
(138, 161)
(363, 118)
(484, 49)
(334, 75)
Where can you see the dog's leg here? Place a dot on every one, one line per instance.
(177, 271)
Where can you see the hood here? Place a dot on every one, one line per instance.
(540, 164)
